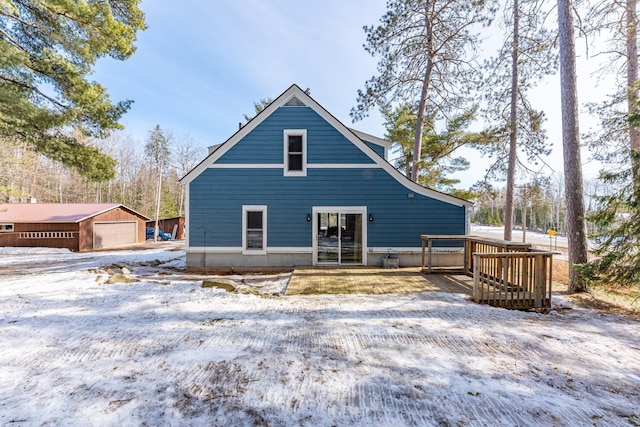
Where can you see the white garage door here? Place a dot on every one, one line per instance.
(110, 234)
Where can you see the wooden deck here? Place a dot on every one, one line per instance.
(505, 274)
(372, 280)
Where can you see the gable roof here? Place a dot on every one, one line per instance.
(56, 212)
(302, 98)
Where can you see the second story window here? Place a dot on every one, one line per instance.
(295, 152)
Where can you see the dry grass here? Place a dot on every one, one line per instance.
(611, 299)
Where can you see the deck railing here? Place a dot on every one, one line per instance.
(513, 279)
(483, 245)
(505, 274)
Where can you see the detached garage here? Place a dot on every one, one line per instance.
(78, 227)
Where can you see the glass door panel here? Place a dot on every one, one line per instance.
(328, 238)
(350, 238)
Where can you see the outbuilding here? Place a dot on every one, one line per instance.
(173, 226)
(78, 227)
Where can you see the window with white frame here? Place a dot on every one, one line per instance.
(254, 229)
(295, 152)
(6, 227)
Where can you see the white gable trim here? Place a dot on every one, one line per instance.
(295, 90)
(372, 138)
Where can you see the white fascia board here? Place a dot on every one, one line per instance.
(372, 138)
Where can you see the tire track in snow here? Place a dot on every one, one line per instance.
(347, 360)
(396, 404)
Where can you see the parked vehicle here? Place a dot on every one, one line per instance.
(162, 235)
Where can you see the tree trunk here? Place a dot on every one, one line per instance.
(513, 124)
(576, 230)
(158, 198)
(524, 221)
(422, 108)
(632, 79)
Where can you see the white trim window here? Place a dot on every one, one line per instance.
(6, 227)
(254, 229)
(295, 152)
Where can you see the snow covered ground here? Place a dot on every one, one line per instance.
(165, 351)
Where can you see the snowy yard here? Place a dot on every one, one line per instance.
(165, 351)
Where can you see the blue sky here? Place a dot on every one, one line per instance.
(201, 64)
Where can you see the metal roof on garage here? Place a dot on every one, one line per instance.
(56, 212)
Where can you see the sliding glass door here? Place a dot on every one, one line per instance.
(338, 237)
(328, 238)
(350, 238)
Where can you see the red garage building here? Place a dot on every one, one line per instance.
(78, 227)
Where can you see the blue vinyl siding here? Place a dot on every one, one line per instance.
(377, 148)
(217, 196)
(264, 144)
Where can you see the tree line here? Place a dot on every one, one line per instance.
(25, 174)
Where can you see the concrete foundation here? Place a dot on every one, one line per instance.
(406, 259)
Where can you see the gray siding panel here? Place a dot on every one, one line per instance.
(264, 145)
(217, 196)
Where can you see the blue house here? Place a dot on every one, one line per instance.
(294, 186)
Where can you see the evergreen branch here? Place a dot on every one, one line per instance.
(13, 41)
(36, 90)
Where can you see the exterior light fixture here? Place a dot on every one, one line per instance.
(370, 217)
(308, 217)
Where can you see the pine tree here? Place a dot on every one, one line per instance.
(437, 160)
(258, 106)
(427, 57)
(47, 51)
(574, 195)
(525, 57)
(618, 213)
(617, 259)
(157, 148)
